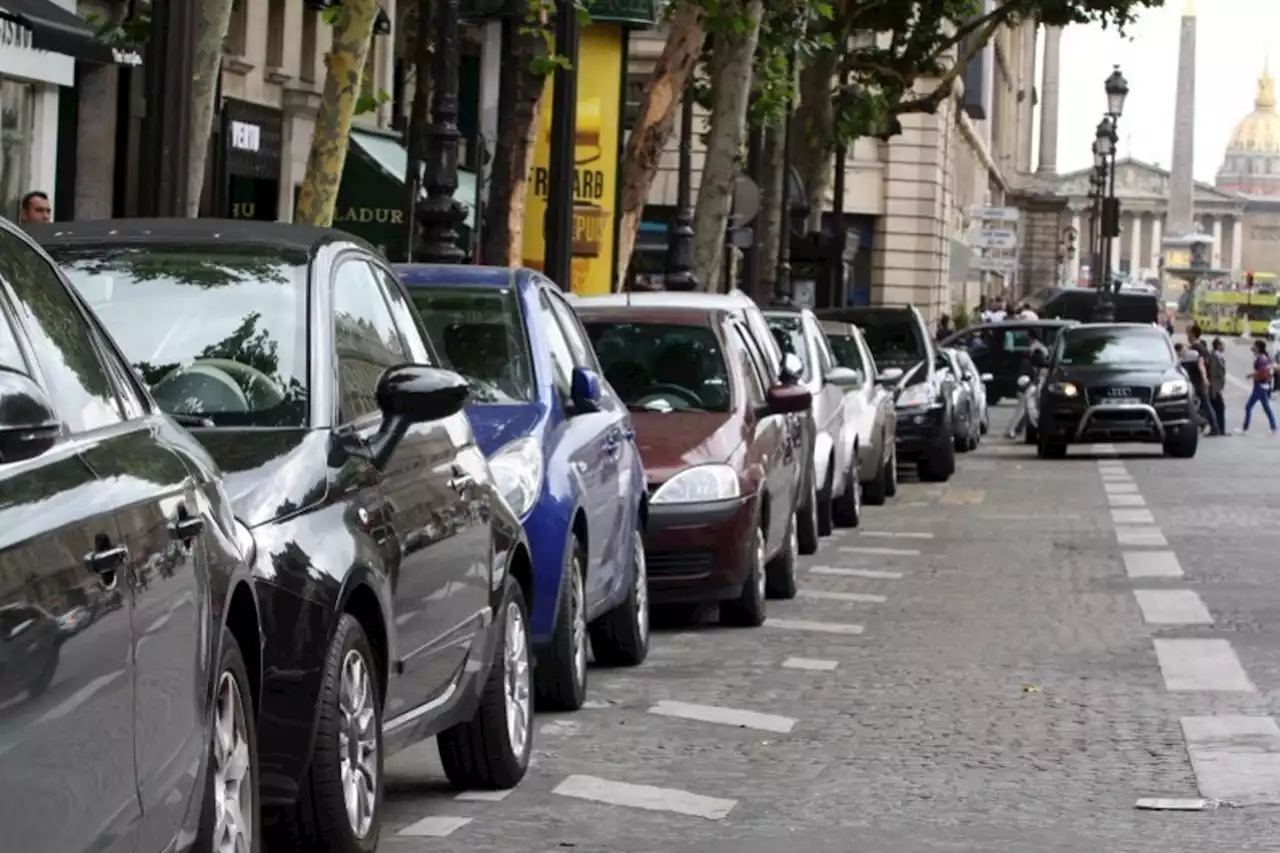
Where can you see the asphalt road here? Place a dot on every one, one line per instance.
(984, 666)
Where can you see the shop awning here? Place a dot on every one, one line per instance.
(393, 159)
(57, 30)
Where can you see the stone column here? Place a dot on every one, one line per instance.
(1082, 245)
(1217, 241)
(1115, 254)
(1135, 244)
(1048, 165)
(1237, 243)
(1157, 238)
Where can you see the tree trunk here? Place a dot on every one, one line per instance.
(352, 36)
(769, 220)
(658, 106)
(732, 51)
(213, 17)
(416, 136)
(813, 131)
(520, 90)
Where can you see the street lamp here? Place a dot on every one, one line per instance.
(680, 274)
(1105, 140)
(1117, 90)
(1095, 212)
(440, 214)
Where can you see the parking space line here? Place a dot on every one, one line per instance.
(817, 627)
(724, 716)
(435, 826)
(1152, 564)
(1141, 536)
(883, 552)
(811, 664)
(1201, 665)
(851, 597)
(75, 700)
(1235, 757)
(1172, 607)
(841, 571)
(1132, 516)
(1120, 488)
(645, 797)
(1103, 449)
(1126, 500)
(483, 796)
(895, 534)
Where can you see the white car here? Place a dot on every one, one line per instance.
(977, 383)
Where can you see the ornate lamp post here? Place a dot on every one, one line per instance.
(1104, 311)
(440, 214)
(1097, 180)
(782, 288)
(680, 275)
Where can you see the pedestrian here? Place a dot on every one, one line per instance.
(1261, 394)
(1199, 374)
(36, 207)
(1025, 313)
(1218, 382)
(944, 329)
(1029, 368)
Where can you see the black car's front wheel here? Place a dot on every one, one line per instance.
(229, 818)
(847, 509)
(807, 518)
(938, 463)
(1182, 445)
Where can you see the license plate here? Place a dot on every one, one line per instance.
(1118, 401)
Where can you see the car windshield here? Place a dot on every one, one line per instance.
(1120, 347)
(788, 331)
(846, 352)
(663, 367)
(893, 339)
(218, 331)
(480, 333)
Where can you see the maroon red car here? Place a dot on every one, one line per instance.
(723, 481)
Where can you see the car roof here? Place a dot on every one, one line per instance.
(1049, 322)
(734, 300)
(116, 232)
(460, 275)
(683, 315)
(839, 327)
(1085, 327)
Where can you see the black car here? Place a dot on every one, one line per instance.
(907, 358)
(391, 575)
(1115, 382)
(1080, 304)
(1002, 349)
(134, 732)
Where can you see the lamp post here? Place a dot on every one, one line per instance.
(680, 275)
(440, 214)
(558, 227)
(782, 288)
(1117, 90)
(1097, 180)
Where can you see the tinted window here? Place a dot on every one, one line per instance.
(365, 337)
(663, 367)
(406, 322)
(1118, 347)
(894, 339)
(788, 331)
(219, 331)
(480, 333)
(750, 370)
(10, 354)
(846, 351)
(63, 339)
(561, 354)
(573, 333)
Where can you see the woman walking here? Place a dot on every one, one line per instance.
(1261, 394)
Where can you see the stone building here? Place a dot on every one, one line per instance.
(1251, 167)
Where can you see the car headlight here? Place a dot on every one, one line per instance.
(915, 395)
(1175, 388)
(702, 483)
(517, 472)
(1064, 389)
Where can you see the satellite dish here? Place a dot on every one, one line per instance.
(746, 201)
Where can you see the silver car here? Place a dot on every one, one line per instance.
(976, 381)
(878, 424)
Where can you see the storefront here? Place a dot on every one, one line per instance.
(248, 161)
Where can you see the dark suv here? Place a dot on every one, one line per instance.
(907, 359)
(1115, 382)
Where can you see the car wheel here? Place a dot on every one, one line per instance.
(44, 677)
(561, 673)
(229, 818)
(939, 464)
(848, 507)
(1047, 449)
(1031, 435)
(807, 520)
(621, 636)
(891, 475)
(876, 491)
(985, 426)
(1183, 445)
(825, 523)
(340, 803)
(748, 609)
(780, 573)
(491, 750)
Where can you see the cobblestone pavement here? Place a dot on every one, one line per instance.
(1016, 685)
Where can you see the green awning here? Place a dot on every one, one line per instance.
(392, 157)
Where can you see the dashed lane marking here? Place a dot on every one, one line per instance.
(1103, 449)
(850, 597)
(1172, 804)
(883, 552)
(1126, 500)
(816, 627)
(1152, 564)
(1235, 758)
(810, 664)
(1120, 488)
(1132, 516)
(483, 796)
(1201, 665)
(1172, 607)
(841, 571)
(894, 534)
(75, 700)
(725, 716)
(435, 826)
(645, 797)
(1140, 537)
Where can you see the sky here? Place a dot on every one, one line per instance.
(1234, 38)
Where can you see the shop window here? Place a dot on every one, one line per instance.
(307, 71)
(17, 127)
(234, 43)
(275, 34)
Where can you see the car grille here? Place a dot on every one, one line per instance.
(1098, 393)
(680, 563)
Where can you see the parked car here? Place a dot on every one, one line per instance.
(723, 480)
(904, 351)
(391, 575)
(74, 620)
(561, 445)
(967, 421)
(834, 419)
(877, 452)
(1001, 349)
(1079, 303)
(976, 381)
(137, 734)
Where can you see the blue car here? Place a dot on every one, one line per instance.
(562, 448)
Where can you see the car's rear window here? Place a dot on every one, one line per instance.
(1116, 347)
(663, 367)
(893, 337)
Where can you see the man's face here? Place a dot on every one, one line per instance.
(38, 210)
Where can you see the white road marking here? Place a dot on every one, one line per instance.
(824, 595)
(882, 552)
(1120, 488)
(724, 716)
(1110, 463)
(435, 826)
(811, 664)
(1208, 665)
(403, 618)
(159, 623)
(841, 571)
(1126, 500)
(1152, 564)
(1172, 804)
(1103, 449)
(1132, 516)
(1141, 537)
(75, 700)
(645, 797)
(1235, 758)
(483, 796)
(818, 627)
(1172, 607)
(895, 534)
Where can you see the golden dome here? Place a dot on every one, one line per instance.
(1259, 132)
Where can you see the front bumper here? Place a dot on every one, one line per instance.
(697, 552)
(1072, 422)
(920, 429)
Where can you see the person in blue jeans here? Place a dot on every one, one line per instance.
(1261, 394)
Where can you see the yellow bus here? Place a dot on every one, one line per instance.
(1220, 312)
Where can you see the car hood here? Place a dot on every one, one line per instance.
(672, 441)
(1135, 376)
(269, 472)
(498, 424)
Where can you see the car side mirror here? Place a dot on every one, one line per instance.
(844, 377)
(409, 394)
(889, 375)
(785, 400)
(28, 424)
(792, 368)
(1024, 382)
(584, 390)
(987, 377)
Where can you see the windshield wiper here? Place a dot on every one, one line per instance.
(188, 420)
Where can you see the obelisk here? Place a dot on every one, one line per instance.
(1049, 93)
(1182, 174)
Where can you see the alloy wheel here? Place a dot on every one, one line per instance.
(761, 578)
(233, 829)
(578, 625)
(358, 742)
(642, 588)
(516, 680)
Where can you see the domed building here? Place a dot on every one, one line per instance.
(1252, 162)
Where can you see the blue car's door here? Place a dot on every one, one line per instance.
(600, 439)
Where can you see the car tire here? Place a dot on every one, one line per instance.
(560, 677)
(938, 465)
(621, 636)
(44, 678)
(875, 492)
(491, 750)
(1047, 449)
(232, 697)
(891, 476)
(807, 520)
(847, 510)
(748, 610)
(780, 572)
(1183, 445)
(825, 509)
(318, 821)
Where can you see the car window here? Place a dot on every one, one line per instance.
(1117, 347)
(663, 367)
(561, 353)
(480, 333)
(818, 345)
(573, 333)
(62, 337)
(750, 370)
(867, 357)
(846, 352)
(758, 329)
(218, 330)
(894, 339)
(365, 337)
(11, 357)
(788, 332)
(407, 324)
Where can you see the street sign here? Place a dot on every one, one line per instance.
(994, 214)
(1004, 266)
(996, 238)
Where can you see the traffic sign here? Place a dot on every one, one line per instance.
(1004, 266)
(994, 214)
(996, 238)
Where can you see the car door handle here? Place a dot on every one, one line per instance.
(106, 562)
(185, 527)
